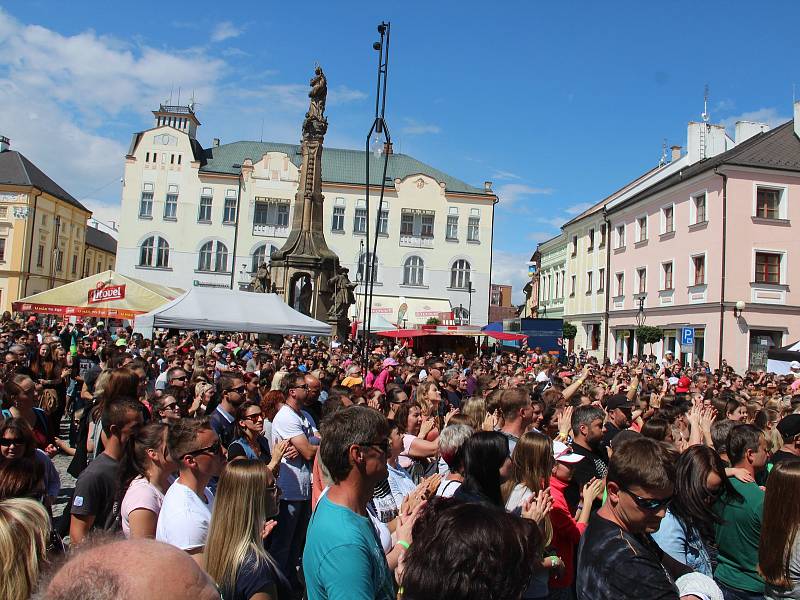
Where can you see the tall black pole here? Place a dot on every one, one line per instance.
(378, 127)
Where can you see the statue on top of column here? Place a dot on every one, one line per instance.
(315, 123)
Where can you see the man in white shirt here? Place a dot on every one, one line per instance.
(295, 424)
(186, 512)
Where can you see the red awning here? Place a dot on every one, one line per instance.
(403, 333)
(506, 336)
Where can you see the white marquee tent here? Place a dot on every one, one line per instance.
(779, 359)
(215, 309)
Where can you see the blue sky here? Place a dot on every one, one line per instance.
(558, 104)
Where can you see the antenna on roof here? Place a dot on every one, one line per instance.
(179, 95)
(261, 139)
(663, 160)
(171, 87)
(705, 114)
(191, 102)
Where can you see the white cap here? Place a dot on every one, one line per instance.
(794, 365)
(563, 453)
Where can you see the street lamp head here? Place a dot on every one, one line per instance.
(738, 309)
(377, 46)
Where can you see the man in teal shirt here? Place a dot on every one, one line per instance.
(738, 534)
(343, 558)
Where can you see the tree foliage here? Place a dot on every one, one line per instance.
(432, 321)
(570, 331)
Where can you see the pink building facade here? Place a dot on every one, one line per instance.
(709, 236)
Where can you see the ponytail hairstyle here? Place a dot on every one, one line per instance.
(135, 459)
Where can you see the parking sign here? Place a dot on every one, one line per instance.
(687, 336)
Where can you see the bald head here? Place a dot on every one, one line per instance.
(128, 570)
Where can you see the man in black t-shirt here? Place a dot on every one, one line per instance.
(789, 428)
(617, 558)
(587, 434)
(95, 503)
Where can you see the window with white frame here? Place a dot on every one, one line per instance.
(364, 259)
(171, 203)
(74, 263)
(666, 275)
(417, 223)
(213, 257)
(337, 221)
(601, 281)
(413, 271)
(572, 285)
(2, 249)
(641, 274)
(451, 232)
(406, 223)
(271, 212)
(641, 229)
(768, 267)
(360, 217)
(154, 252)
(699, 269)
(460, 275)
(698, 208)
(427, 225)
(620, 236)
(574, 245)
(620, 279)
(474, 225)
(206, 201)
(229, 212)
(145, 203)
(261, 255)
(668, 219)
(589, 282)
(383, 220)
(769, 203)
(591, 239)
(602, 235)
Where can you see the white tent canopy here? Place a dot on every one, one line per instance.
(378, 323)
(780, 359)
(215, 309)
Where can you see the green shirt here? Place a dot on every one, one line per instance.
(738, 537)
(343, 558)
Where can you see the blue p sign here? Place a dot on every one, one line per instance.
(687, 336)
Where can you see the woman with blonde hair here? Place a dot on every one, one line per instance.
(779, 548)
(24, 534)
(429, 397)
(245, 508)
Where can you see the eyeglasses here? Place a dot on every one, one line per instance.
(239, 390)
(181, 378)
(383, 446)
(651, 504)
(254, 418)
(213, 449)
(173, 406)
(11, 441)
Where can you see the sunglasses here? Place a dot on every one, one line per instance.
(181, 378)
(254, 418)
(213, 449)
(173, 406)
(239, 390)
(11, 441)
(383, 446)
(651, 504)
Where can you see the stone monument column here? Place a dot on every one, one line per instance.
(305, 271)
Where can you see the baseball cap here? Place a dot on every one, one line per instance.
(618, 401)
(789, 426)
(389, 362)
(564, 453)
(683, 385)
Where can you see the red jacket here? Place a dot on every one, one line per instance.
(566, 533)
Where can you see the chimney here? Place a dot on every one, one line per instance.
(487, 186)
(387, 148)
(747, 129)
(676, 152)
(797, 118)
(5, 143)
(215, 143)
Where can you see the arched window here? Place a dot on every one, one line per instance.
(413, 271)
(146, 252)
(460, 275)
(213, 257)
(162, 254)
(461, 315)
(154, 252)
(362, 261)
(221, 258)
(261, 254)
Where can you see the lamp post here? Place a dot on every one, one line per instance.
(640, 317)
(470, 291)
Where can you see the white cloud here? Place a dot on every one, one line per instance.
(342, 94)
(105, 212)
(510, 193)
(224, 31)
(540, 236)
(414, 127)
(511, 268)
(555, 222)
(577, 208)
(770, 116)
(505, 175)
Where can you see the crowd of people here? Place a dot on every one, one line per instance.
(228, 466)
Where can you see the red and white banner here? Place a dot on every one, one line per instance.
(106, 293)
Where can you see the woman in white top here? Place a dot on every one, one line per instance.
(145, 474)
(451, 442)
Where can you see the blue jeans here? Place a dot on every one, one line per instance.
(289, 537)
(730, 593)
